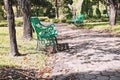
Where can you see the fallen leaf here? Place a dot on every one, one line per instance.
(46, 75)
(46, 69)
(25, 58)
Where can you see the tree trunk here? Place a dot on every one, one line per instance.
(56, 9)
(98, 4)
(11, 26)
(27, 28)
(112, 17)
(17, 10)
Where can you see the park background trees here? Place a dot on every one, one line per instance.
(66, 9)
(26, 9)
(113, 11)
(91, 8)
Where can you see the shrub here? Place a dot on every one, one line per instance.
(68, 21)
(63, 20)
(1, 12)
(98, 13)
(43, 18)
(47, 20)
(56, 20)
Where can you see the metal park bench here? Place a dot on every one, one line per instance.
(46, 35)
(78, 20)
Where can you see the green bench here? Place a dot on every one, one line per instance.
(46, 35)
(78, 20)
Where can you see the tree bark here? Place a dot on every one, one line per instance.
(56, 9)
(11, 26)
(112, 17)
(17, 10)
(27, 28)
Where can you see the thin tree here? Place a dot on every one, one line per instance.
(27, 28)
(11, 26)
(56, 9)
(112, 7)
(17, 9)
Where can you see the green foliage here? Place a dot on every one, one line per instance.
(93, 8)
(87, 8)
(68, 21)
(50, 12)
(56, 20)
(43, 18)
(42, 8)
(1, 2)
(1, 12)
(63, 20)
(36, 11)
(98, 13)
(68, 1)
(42, 3)
(66, 10)
(47, 20)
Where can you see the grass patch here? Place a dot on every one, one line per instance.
(101, 26)
(95, 24)
(116, 29)
(32, 59)
(3, 23)
(18, 22)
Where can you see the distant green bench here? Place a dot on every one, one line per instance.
(46, 35)
(78, 20)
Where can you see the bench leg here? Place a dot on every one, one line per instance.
(55, 45)
(38, 45)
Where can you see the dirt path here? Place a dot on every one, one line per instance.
(91, 55)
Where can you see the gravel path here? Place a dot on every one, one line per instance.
(91, 55)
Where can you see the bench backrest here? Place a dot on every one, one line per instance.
(35, 22)
(80, 17)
